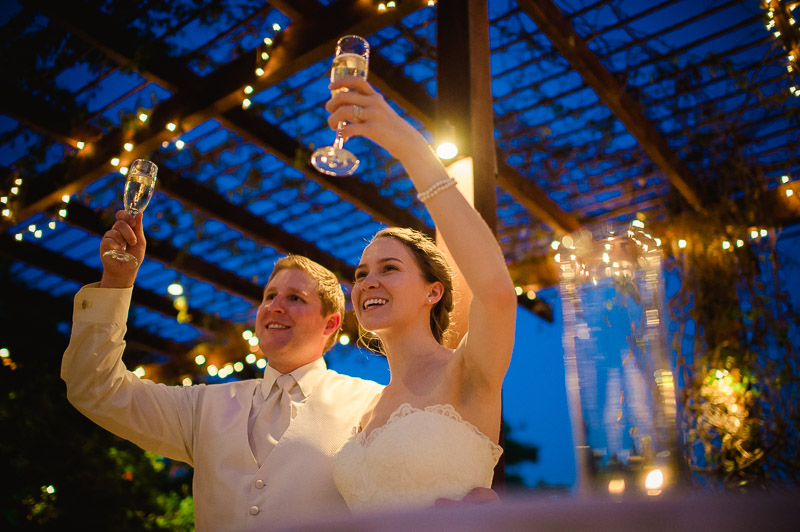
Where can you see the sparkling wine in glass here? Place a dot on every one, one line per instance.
(351, 60)
(139, 188)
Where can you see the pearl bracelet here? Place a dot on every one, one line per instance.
(436, 188)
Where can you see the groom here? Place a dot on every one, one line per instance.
(262, 449)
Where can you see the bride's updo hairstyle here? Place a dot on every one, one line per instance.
(434, 268)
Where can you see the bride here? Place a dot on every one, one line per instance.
(432, 433)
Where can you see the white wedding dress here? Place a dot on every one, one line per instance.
(418, 456)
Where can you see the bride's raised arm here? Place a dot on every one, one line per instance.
(486, 349)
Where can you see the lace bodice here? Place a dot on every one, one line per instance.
(418, 456)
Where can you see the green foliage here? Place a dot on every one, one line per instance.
(741, 376)
(61, 471)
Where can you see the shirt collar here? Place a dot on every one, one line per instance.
(306, 376)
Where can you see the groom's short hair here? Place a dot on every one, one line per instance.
(328, 288)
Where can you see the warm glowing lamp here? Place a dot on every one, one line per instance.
(175, 289)
(446, 148)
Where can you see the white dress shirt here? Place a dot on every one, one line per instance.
(207, 426)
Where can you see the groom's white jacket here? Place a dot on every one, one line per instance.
(206, 426)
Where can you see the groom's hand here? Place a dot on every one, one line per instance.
(475, 496)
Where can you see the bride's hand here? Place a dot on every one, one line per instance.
(475, 496)
(367, 114)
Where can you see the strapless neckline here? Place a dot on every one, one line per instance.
(444, 409)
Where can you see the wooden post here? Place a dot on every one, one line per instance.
(464, 108)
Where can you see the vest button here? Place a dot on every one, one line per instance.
(259, 483)
(253, 510)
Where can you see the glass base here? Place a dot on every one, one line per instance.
(331, 161)
(122, 256)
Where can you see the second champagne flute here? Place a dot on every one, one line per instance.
(139, 186)
(351, 60)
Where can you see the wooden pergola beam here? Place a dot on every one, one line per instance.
(573, 47)
(117, 42)
(535, 199)
(64, 267)
(464, 93)
(296, 48)
(60, 308)
(418, 103)
(213, 205)
(364, 196)
(162, 251)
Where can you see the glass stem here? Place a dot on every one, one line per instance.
(338, 143)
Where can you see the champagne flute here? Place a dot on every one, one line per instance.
(351, 59)
(139, 188)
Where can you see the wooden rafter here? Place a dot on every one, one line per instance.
(135, 338)
(62, 266)
(298, 47)
(208, 202)
(551, 21)
(162, 251)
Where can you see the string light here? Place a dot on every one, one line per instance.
(179, 144)
(5, 356)
(782, 25)
(246, 103)
(175, 289)
(171, 126)
(115, 161)
(128, 146)
(80, 145)
(143, 117)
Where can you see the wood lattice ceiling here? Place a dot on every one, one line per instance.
(596, 107)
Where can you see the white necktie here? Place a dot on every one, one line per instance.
(274, 418)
